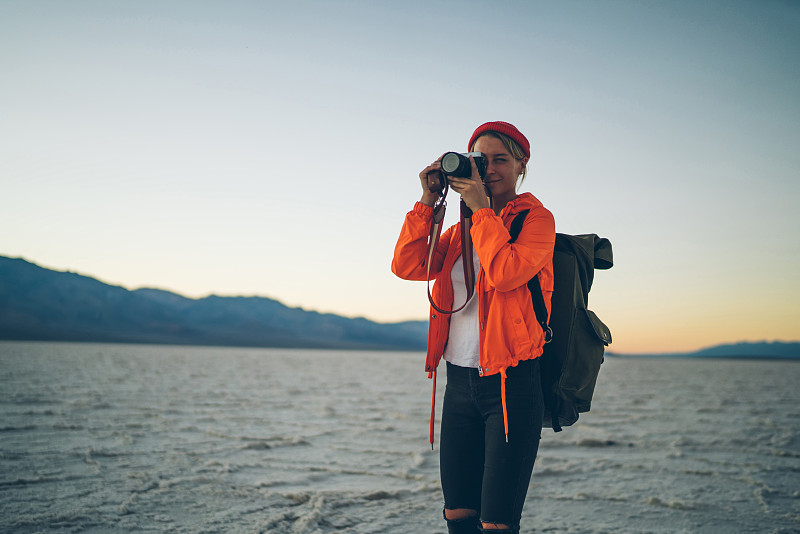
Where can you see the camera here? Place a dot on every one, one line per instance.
(455, 164)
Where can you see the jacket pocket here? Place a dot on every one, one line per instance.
(517, 328)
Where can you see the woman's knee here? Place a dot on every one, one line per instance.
(459, 513)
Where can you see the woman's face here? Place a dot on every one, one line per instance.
(502, 169)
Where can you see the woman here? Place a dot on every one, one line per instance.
(492, 412)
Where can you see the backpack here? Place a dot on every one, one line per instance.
(575, 338)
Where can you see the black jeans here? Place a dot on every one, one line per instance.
(479, 469)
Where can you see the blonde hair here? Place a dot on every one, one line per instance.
(513, 148)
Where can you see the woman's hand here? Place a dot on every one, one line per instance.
(472, 190)
(431, 179)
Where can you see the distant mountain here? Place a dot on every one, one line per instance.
(759, 349)
(46, 305)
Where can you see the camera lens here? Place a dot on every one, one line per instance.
(454, 164)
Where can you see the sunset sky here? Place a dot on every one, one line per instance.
(272, 148)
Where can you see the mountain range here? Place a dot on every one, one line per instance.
(46, 305)
(783, 350)
(40, 304)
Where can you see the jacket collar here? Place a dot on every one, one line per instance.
(523, 201)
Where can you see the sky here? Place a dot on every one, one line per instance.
(273, 148)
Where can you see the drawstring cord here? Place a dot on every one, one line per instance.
(503, 397)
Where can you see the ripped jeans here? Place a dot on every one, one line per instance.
(479, 470)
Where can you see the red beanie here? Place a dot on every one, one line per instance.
(503, 128)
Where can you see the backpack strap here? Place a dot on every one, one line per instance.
(535, 288)
(551, 400)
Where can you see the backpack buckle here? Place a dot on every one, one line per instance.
(548, 334)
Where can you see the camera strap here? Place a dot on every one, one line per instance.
(466, 251)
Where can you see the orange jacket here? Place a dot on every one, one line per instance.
(509, 331)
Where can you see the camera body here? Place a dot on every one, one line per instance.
(455, 164)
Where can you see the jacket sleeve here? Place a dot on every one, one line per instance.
(508, 266)
(411, 251)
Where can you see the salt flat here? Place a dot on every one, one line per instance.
(126, 438)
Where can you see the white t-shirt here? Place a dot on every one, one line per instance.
(462, 342)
